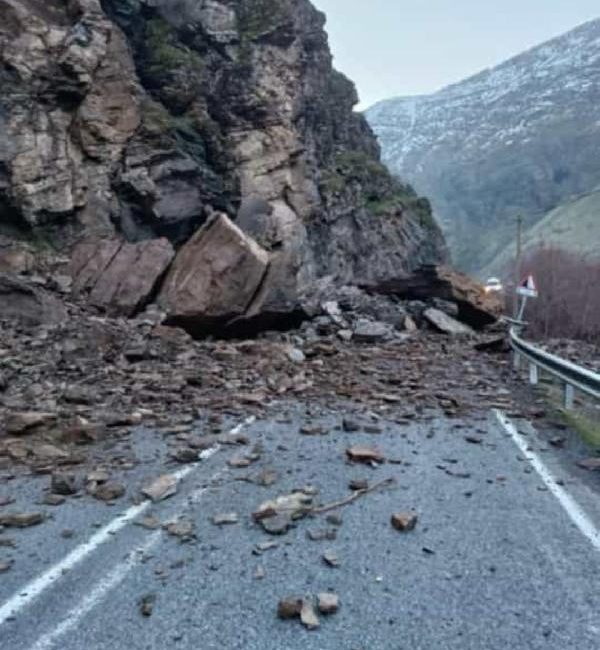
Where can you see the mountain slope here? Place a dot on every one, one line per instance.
(573, 226)
(521, 137)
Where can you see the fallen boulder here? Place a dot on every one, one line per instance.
(214, 277)
(475, 307)
(118, 276)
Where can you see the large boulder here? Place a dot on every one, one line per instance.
(117, 276)
(475, 307)
(28, 304)
(214, 278)
(442, 322)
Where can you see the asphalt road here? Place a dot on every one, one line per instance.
(502, 557)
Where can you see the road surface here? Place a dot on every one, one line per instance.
(505, 553)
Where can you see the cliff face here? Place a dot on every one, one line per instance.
(138, 119)
(520, 138)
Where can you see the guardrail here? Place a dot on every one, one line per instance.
(572, 375)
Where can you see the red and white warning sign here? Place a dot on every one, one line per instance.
(528, 288)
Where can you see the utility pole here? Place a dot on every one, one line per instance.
(519, 258)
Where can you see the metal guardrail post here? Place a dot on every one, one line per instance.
(569, 397)
(533, 374)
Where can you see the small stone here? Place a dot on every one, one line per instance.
(277, 525)
(109, 491)
(25, 422)
(182, 528)
(259, 574)
(328, 603)
(5, 566)
(350, 426)
(185, 455)
(308, 616)
(404, 521)
(63, 483)
(150, 522)
(225, 519)
(322, 534)
(261, 547)
(289, 607)
(358, 484)
(331, 559)
(591, 464)
(21, 519)
(147, 604)
(474, 440)
(266, 478)
(335, 519)
(295, 355)
(162, 488)
(67, 533)
(365, 455)
(53, 500)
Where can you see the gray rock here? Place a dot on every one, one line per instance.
(446, 324)
(367, 331)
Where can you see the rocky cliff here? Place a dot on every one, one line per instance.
(521, 137)
(203, 152)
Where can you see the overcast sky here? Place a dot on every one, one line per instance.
(408, 47)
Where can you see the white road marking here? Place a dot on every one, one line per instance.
(570, 506)
(108, 583)
(31, 591)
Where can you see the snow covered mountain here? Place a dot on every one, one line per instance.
(523, 137)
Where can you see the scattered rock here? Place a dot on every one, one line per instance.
(109, 491)
(182, 528)
(5, 565)
(162, 488)
(289, 607)
(146, 604)
(21, 519)
(474, 440)
(404, 521)
(591, 464)
(308, 616)
(277, 525)
(364, 455)
(53, 500)
(331, 559)
(63, 484)
(358, 484)
(446, 324)
(328, 603)
(25, 422)
(367, 331)
(322, 534)
(350, 426)
(294, 505)
(225, 519)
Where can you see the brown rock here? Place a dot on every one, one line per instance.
(27, 421)
(162, 488)
(21, 519)
(109, 491)
(591, 464)
(118, 276)
(364, 455)
(404, 521)
(214, 276)
(182, 528)
(475, 307)
(289, 607)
